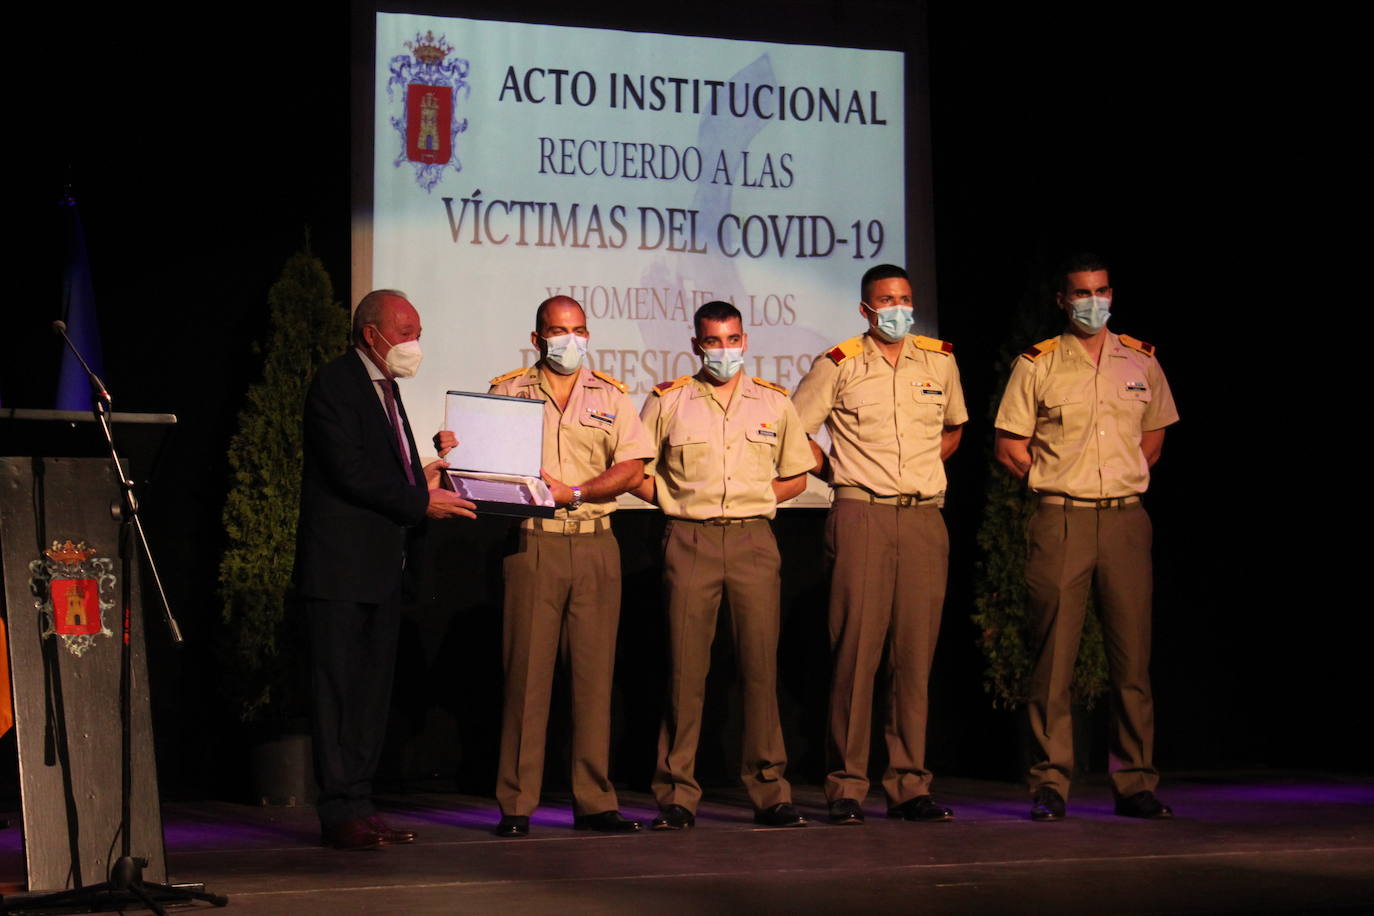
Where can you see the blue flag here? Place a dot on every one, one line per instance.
(78, 311)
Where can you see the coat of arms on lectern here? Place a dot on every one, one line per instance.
(75, 589)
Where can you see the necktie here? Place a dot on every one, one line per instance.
(390, 393)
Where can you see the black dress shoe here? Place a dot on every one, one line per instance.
(513, 825)
(846, 811)
(1143, 804)
(1047, 805)
(674, 817)
(783, 815)
(390, 836)
(355, 834)
(921, 808)
(605, 822)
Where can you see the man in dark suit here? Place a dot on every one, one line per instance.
(364, 498)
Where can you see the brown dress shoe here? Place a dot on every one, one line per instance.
(390, 835)
(355, 834)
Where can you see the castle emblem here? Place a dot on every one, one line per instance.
(74, 589)
(430, 84)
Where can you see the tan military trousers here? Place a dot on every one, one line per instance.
(1070, 547)
(887, 589)
(562, 599)
(700, 563)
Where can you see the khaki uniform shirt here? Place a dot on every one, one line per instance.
(599, 428)
(718, 463)
(885, 424)
(1084, 421)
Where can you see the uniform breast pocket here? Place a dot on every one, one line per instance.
(1068, 409)
(763, 450)
(687, 455)
(597, 435)
(868, 411)
(929, 400)
(1136, 395)
(1133, 399)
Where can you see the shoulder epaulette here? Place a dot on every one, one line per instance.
(1139, 346)
(763, 382)
(508, 376)
(663, 388)
(1035, 351)
(611, 380)
(935, 346)
(841, 352)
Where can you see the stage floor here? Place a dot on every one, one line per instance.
(1293, 842)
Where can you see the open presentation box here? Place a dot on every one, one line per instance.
(497, 459)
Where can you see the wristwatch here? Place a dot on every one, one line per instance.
(576, 500)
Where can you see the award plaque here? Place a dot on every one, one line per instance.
(497, 459)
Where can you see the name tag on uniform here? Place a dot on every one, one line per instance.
(1136, 386)
(601, 415)
(765, 431)
(929, 388)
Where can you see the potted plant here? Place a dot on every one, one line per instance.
(263, 647)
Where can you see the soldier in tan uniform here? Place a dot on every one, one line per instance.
(894, 409)
(1082, 421)
(728, 449)
(563, 582)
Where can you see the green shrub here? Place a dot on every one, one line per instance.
(306, 328)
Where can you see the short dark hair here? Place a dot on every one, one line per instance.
(1077, 263)
(369, 311)
(880, 272)
(715, 311)
(541, 313)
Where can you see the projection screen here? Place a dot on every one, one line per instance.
(641, 174)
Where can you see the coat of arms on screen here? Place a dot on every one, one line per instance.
(427, 122)
(74, 589)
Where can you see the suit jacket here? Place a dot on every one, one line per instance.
(359, 515)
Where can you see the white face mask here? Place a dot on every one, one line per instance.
(403, 359)
(723, 363)
(564, 352)
(1091, 312)
(894, 322)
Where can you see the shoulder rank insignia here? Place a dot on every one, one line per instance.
(1139, 346)
(764, 383)
(1035, 351)
(663, 388)
(611, 380)
(933, 345)
(841, 352)
(508, 376)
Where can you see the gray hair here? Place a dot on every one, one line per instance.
(369, 311)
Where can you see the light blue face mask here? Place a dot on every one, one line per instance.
(1091, 312)
(564, 353)
(723, 363)
(894, 322)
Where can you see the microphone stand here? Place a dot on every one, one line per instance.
(125, 886)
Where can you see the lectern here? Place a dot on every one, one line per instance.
(68, 609)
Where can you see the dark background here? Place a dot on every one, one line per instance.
(200, 156)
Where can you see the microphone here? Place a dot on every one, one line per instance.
(59, 328)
